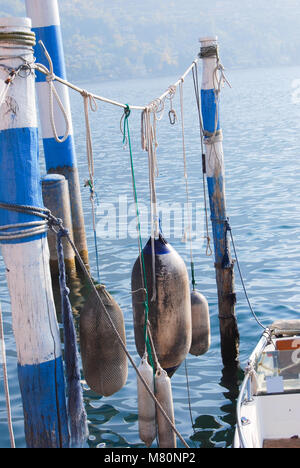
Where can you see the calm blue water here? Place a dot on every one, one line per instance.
(262, 146)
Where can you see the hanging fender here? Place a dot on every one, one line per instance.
(170, 312)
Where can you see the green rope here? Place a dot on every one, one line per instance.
(126, 136)
(18, 37)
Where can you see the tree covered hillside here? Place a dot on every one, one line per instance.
(116, 38)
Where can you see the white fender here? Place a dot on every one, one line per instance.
(166, 435)
(146, 404)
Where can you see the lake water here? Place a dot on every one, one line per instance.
(261, 124)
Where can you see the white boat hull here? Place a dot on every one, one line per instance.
(268, 409)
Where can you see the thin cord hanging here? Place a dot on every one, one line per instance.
(209, 251)
(50, 78)
(56, 226)
(126, 136)
(187, 187)
(149, 142)
(89, 102)
(228, 227)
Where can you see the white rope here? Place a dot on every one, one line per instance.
(89, 102)
(182, 78)
(151, 145)
(41, 68)
(209, 251)
(50, 78)
(185, 172)
(4, 92)
(6, 386)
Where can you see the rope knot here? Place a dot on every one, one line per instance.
(55, 223)
(127, 111)
(66, 291)
(63, 232)
(50, 77)
(91, 100)
(84, 93)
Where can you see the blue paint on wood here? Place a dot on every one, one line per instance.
(209, 109)
(59, 154)
(215, 183)
(19, 176)
(44, 404)
(52, 39)
(56, 154)
(160, 247)
(216, 189)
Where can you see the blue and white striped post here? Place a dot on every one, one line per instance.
(40, 367)
(60, 157)
(215, 173)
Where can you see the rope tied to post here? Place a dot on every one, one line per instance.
(76, 410)
(23, 71)
(55, 224)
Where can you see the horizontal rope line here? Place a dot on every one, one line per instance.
(41, 68)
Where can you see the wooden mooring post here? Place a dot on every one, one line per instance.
(60, 157)
(215, 175)
(56, 198)
(40, 366)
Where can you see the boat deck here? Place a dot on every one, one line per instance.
(281, 443)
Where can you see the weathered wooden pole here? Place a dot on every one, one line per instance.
(56, 198)
(60, 157)
(215, 173)
(40, 366)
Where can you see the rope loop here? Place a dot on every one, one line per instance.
(23, 71)
(50, 78)
(124, 124)
(63, 232)
(127, 111)
(91, 99)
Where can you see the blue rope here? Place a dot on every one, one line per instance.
(76, 410)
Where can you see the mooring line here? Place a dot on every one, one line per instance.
(56, 225)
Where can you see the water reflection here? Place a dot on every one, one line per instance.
(265, 218)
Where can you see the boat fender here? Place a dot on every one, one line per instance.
(104, 361)
(166, 435)
(169, 317)
(146, 404)
(200, 324)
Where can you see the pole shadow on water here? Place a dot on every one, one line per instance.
(218, 432)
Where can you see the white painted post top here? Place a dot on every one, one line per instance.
(209, 63)
(43, 13)
(15, 23)
(206, 41)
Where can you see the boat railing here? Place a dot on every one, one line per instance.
(246, 388)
